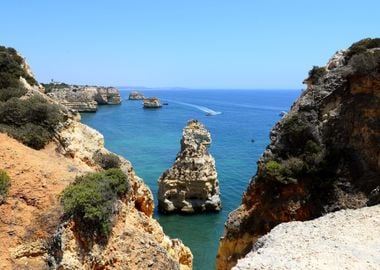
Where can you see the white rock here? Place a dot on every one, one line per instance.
(347, 239)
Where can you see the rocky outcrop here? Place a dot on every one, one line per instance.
(32, 214)
(347, 239)
(84, 98)
(152, 103)
(191, 184)
(134, 95)
(324, 154)
(107, 96)
(35, 235)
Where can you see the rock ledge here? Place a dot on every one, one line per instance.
(347, 239)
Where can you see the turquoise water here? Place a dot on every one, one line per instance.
(150, 140)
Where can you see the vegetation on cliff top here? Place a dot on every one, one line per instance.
(316, 73)
(11, 69)
(31, 121)
(91, 198)
(363, 45)
(50, 86)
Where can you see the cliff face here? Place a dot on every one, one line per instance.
(191, 184)
(324, 155)
(334, 241)
(33, 233)
(84, 98)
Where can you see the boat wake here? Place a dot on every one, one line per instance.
(208, 111)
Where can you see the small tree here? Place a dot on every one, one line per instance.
(90, 199)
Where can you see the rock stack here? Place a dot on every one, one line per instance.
(134, 95)
(191, 184)
(152, 103)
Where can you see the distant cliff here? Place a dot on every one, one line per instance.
(83, 98)
(324, 155)
(35, 232)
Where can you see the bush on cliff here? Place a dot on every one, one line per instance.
(5, 183)
(107, 161)
(11, 69)
(362, 46)
(31, 121)
(8, 93)
(50, 86)
(316, 73)
(90, 200)
(365, 62)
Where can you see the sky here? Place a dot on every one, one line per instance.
(224, 44)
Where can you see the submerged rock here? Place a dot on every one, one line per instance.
(134, 95)
(191, 184)
(152, 102)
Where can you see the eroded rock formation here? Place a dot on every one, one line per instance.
(347, 239)
(84, 98)
(191, 184)
(324, 155)
(152, 103)
(134, 95)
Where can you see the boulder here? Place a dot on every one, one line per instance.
(134, 95)
(151, 103)
(191, 184)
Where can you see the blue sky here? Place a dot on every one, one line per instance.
(243, 44)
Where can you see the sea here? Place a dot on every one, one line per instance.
(239, 122)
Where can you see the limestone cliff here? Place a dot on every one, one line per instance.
(334, 241)
(324, 155)
(191, 184)
(33, 233)
(83, 98)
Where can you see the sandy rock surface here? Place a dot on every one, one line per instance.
(347, 239)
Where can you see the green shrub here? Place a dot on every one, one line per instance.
(293, 167)
(365, 62)
(287, 171)
(31, 121)
(273, 167)
(107, 161)
(89, 200)
(11, 69)
(8, 93)
(316, 73)
(311, 147)
(297, 130)
(363, 45)
(5, 183)
(50, 86)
